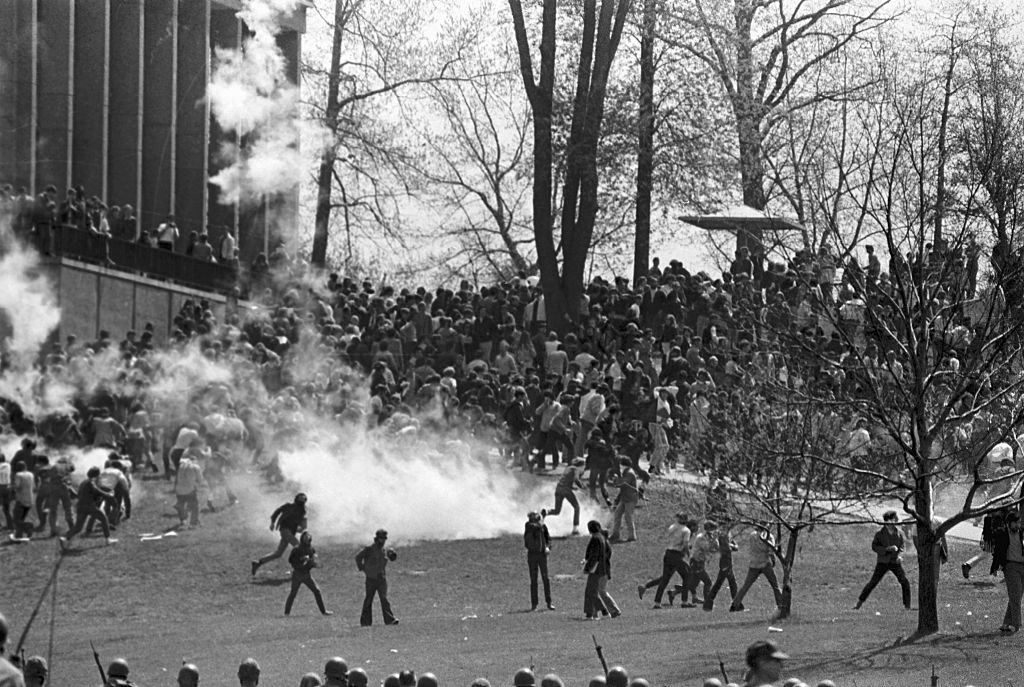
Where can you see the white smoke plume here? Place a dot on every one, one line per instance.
(250, 95)
(28, 310)
(418, 486)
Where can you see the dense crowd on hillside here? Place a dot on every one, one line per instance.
(647, 372)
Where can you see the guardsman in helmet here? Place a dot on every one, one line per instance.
(117, 673)
(524, 677)
(188, 675)
(427, 680)
(357, 678)
(336, 672)
(249, 673)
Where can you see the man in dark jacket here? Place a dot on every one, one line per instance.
(373, 561)
(1008, 556)
(538, 544)
(888, 544)
(289, 519)
(519, 429)
(303, 559)
(90, 497)
(991, 523)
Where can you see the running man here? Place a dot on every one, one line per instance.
(569, 480)
(675, 560)
(289, 519)
(761, 546)
(90, 497)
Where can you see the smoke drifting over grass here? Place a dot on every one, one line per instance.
(416, 486)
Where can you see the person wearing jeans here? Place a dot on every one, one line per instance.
(538, 544)
(1008, 555)
(629, 496)
(888, 545)
(677, 550)
(5, 491)
(725, 548)
(762, 562)
(90, 497)
(569, 480)
(373, 561)
(303, 559)
(597, 566)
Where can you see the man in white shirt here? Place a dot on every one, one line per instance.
(592, 406)
(675, 560)
(167, 234)
(187, 482)
(5, 491)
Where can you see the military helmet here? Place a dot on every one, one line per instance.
(524, 677)
(188, 673)
(336, 667)
(118, 668)
(357, 678)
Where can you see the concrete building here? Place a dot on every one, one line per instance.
(109, 94)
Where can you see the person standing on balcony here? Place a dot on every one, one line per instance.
(203, 250)
(167, 234)
(226, 251)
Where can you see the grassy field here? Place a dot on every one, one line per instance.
(463, 610)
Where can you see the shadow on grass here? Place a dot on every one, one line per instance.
(879, 657)
(271, 581)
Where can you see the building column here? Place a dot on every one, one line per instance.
(124, 124)
(54, 89)
(224, 33)
(158, 111)
(90, 97)
(192, 137)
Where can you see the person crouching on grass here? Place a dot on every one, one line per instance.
(303, 559)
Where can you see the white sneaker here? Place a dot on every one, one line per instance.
(111, 540)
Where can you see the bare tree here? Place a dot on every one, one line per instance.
(474, 166)
(645, 141)
(374, 56)
(762, 51)
(562, 280)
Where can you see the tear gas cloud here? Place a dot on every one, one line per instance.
(417, 485)
(250, 95)
(30, 309)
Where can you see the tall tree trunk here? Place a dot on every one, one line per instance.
(940, 173)
(786, 607)
(325, 175)
(645, 148)
(927, 561)
(609, 30)
(749, 115)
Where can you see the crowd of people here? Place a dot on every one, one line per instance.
(643, 380)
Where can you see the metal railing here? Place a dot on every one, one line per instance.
(137, 258)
